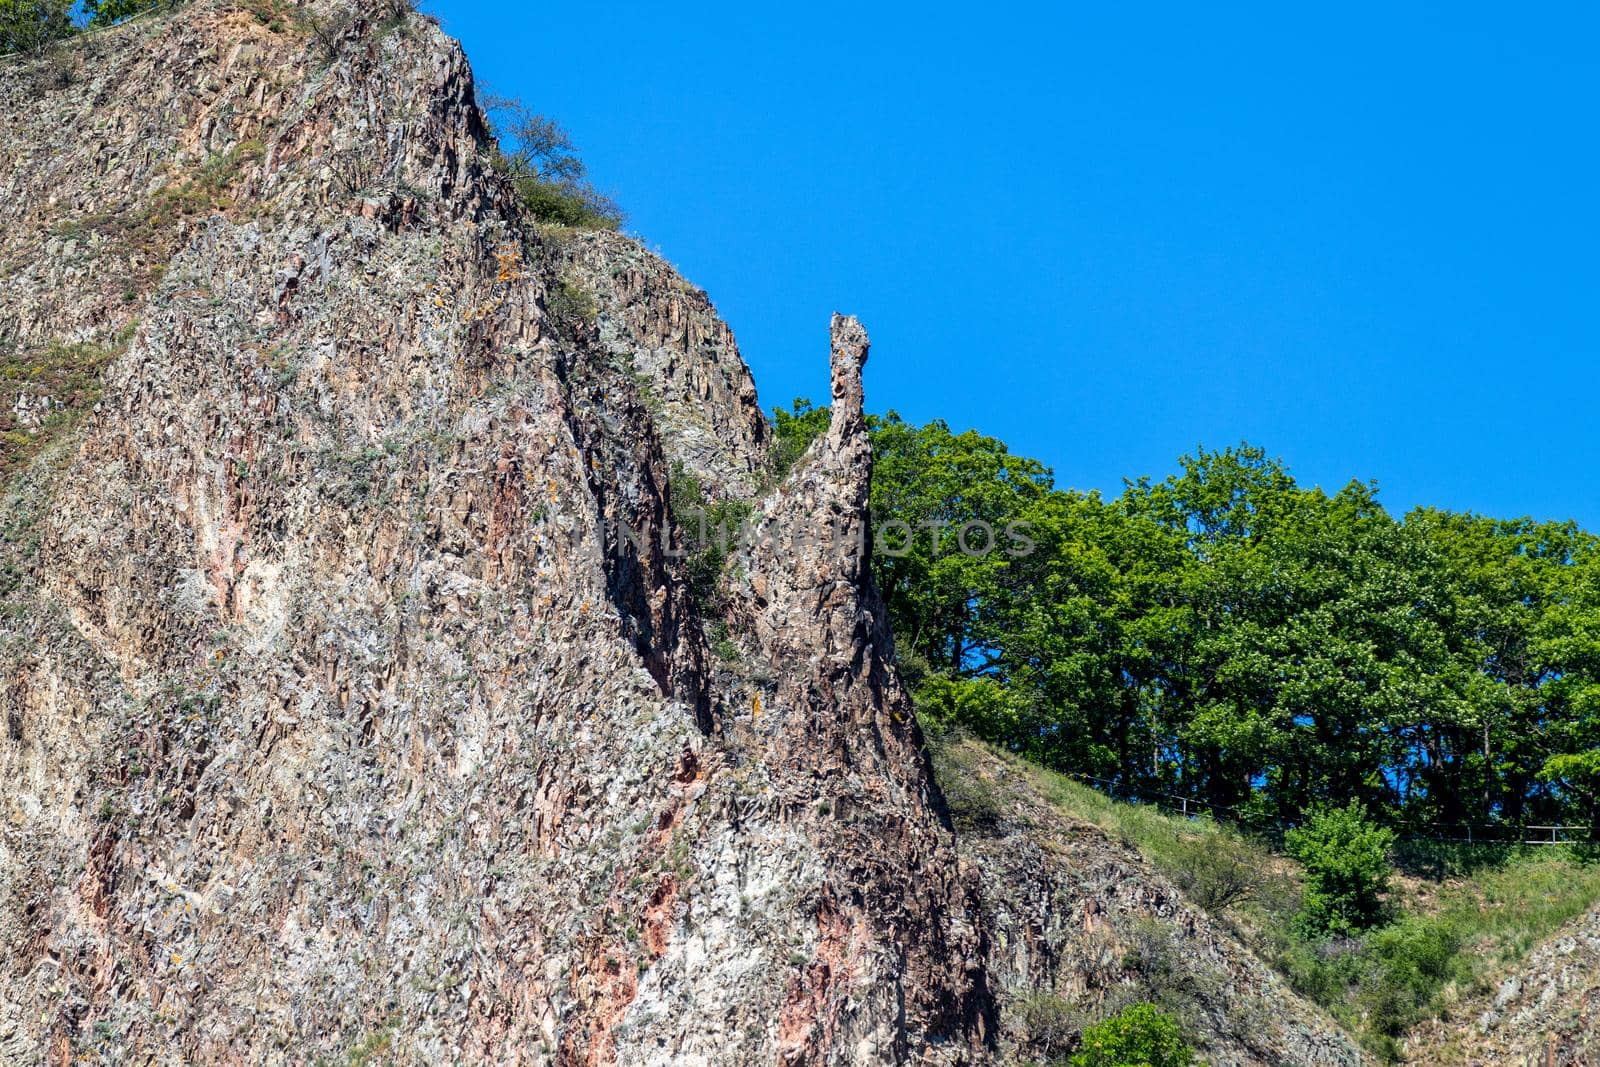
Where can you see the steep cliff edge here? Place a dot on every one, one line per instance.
(355, 699)
(351, 683)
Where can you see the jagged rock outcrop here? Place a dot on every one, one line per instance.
(826, 707)
(355, 699)
(683, 356)
(354, 696)
(1544, 1013)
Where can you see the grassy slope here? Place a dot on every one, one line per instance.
(1083, 925)
(1463, 915)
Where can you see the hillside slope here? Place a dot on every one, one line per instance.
(1544, 1013)
(1081, 924)
(356, 700)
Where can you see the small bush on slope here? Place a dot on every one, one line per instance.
(1450, 942)
(1137, 1036)
(710, 529)
(1346, 859)
(544, 168)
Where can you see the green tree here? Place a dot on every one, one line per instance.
(1569, 635)
(107, 12)
(29, 25)
(1524, 631)
(948, 507)
(1008, 591)
(1289, 639)
(1063, 635)
(1576, 779)
(1230, 636)
(1138, 1036)
(794, 430)
(1346, 858)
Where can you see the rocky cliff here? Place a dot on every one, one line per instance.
(356, 703)
(1544, 1013)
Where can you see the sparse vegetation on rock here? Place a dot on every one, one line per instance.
(537, 156)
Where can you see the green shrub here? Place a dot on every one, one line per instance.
(1048, 1022)
(1346, 857)
(1383, 984)
(1218, 870)
(983, 706)
(572, 305)
(1499, 905)
(1137, 1036)
(1411, 961)
(710, 529)
(539, 159)
(566, 205)
(722, 643)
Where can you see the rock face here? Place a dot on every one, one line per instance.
(355, 700)
(701, 396)
(1545, 1013)
(354, 697)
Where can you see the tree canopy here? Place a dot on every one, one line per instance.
(1227, 635)
(28, 25)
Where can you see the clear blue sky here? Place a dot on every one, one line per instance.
(1365, 237)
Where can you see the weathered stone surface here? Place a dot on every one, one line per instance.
(701, 396)
(342, 712)
(1545, 1013)
(345, 708)
(826, 708)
